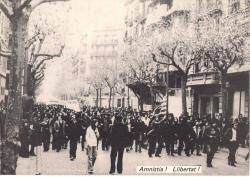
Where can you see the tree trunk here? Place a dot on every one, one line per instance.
(184, 94)
(100, 97)
(97, 97)
(141, 104)
(110, 97)
(128, 98)
(113, 99)
(224, 94)
(30, 93)
(14, 104)
(152, 97)
(141, 100)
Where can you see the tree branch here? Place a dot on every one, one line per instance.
(24, 5)
(4, 53)
(31, 41)
(36, 3)
(42, 61)
(160, 62)
(39, 77)
(50, 55)
(6, 11)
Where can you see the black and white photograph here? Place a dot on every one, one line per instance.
(124, 87)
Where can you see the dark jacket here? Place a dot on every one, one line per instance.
(229, 134)
(211, 135)
(119, 136)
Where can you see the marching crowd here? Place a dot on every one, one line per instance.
(125, 130)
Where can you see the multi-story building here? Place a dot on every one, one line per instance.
(104, 45)
(104, 51)
(205, 83)
(4, 43)
(147, 14)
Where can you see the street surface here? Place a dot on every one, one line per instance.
(53, 163)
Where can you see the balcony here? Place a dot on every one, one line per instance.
(205, 78)
(213, 8)
(164, 11)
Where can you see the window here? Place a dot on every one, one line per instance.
(119, 103)
(235, 6)
(197, 68)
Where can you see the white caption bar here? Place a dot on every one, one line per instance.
(169, 169)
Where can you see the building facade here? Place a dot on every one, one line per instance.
(143, 15)
(4, 43)
(104, 53)
(203, 86)
(205, 83)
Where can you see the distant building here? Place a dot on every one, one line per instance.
(105, 51)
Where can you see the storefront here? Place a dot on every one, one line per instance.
(207, 97)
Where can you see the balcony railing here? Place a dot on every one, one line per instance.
(203, 78)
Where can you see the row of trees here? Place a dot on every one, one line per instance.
(183, 46)
(107, 76)
(24, 56)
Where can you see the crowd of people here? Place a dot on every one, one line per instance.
(125, 129)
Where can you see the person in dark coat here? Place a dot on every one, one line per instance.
(138, 135)
(24, 139)
(232, 138)
(169, 136)
(105, 126)
(74, 136)
(242, 130)
(118, 141)
(211, 139)
(181, 134)
(45, 136)
(155, 136)
(189, 138)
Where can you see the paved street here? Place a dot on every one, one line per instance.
(53, 163)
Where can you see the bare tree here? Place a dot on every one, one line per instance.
(18, 13)
(140, 67)
(37, 62)
(225, 47)
(177, 48)
(96, 80)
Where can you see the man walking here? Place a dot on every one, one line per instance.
(211, 138)
(92, 135)
(119, 140)
(233, 143)
(73, 138)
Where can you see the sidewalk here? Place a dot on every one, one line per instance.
(241, 152)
